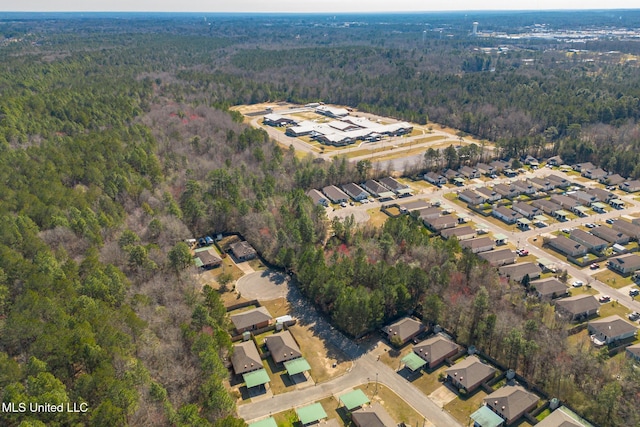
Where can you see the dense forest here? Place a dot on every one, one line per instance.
(117, 143)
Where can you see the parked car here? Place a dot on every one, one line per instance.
(590, 225)
(522, 252)
(343, 204)
(566, 230)
(577, 283)
(609, 221)
(208, 240)
(604, 298)
(634, 293)
(634, 316)
(594, 266)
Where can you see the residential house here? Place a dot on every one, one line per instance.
(555, 161)
(547, 206)
(582, 197)
(251, 319)
(403, 330)
(415, 205)
(549, 288)
(450, 174)
(616, 203)
(627, 228)
(435, 350)
(206, 260)
(489, 195)
(485, 169)
(471, 197)
(614, 179)
(355, 191)
(317, 197)
(469, 374)
(599, 207)
(283, 347)
(394, 185)
(435, 178)
(505, 214)
(583, 167)
(517, 272)
(469, 172)
(335, 194)
(568, 247)
(630, 186)
(245, 358)
(506, 191)
(610, 329)
(525, 209)
(633, 351)
(524, 187)
(499, 165)
(243, 251)
(375, 188)
(461, 233)
(441, 223)
(542, 184)
(428, 213)
(600, 195)
(594, 243)
(558, 181)
(373, 415)
(577, 308)
(499, 257)
(559, 418)
(610, 235)
(595, 174)
(565, 201)
(511, 402)
(482, 244)
(531, 161)
(625, 264)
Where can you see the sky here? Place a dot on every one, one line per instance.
(306, 6)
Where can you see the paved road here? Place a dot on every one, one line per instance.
(263, 285)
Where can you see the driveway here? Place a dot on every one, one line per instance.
(263, 285)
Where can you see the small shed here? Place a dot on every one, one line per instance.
(485, 417)
(256, 378)
(297, 366)
(413, 361)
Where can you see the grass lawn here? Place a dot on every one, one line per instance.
(428, 382)
(377, 217)
(287, 418)
(462, 407)
(399, 410)
(418, 185)
(320, 354)
(277, 307)
(611, 308)
(613, 279)
(583, 290)
(393, 211)
(257, 265)
(231, 298)
(393, 357)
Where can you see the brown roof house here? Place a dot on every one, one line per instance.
(335, 194)
(610, 235)
(625, 264)
(499, 257)
(627, 228)
(559, 418)
(518, 271)
(511, 402)
(373, 415)
(549, 288)
(633, 351)
(568, 247)
(251, 319)
(206, 260)
(471, 197)
(282, 347)
(461, 233)
(317, 197)
(403, 330)
(505, 214)
(469, 374)
(577, 308)
(435, 350)
(482, 244)
(441, 223)
(245, 358)
(243, 251)
(592, 242)
(610, 329)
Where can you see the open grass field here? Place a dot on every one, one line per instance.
(428, 382)
(612, 308)
(399, 410)
(376, 217)
(613, 279)
(461, 407)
